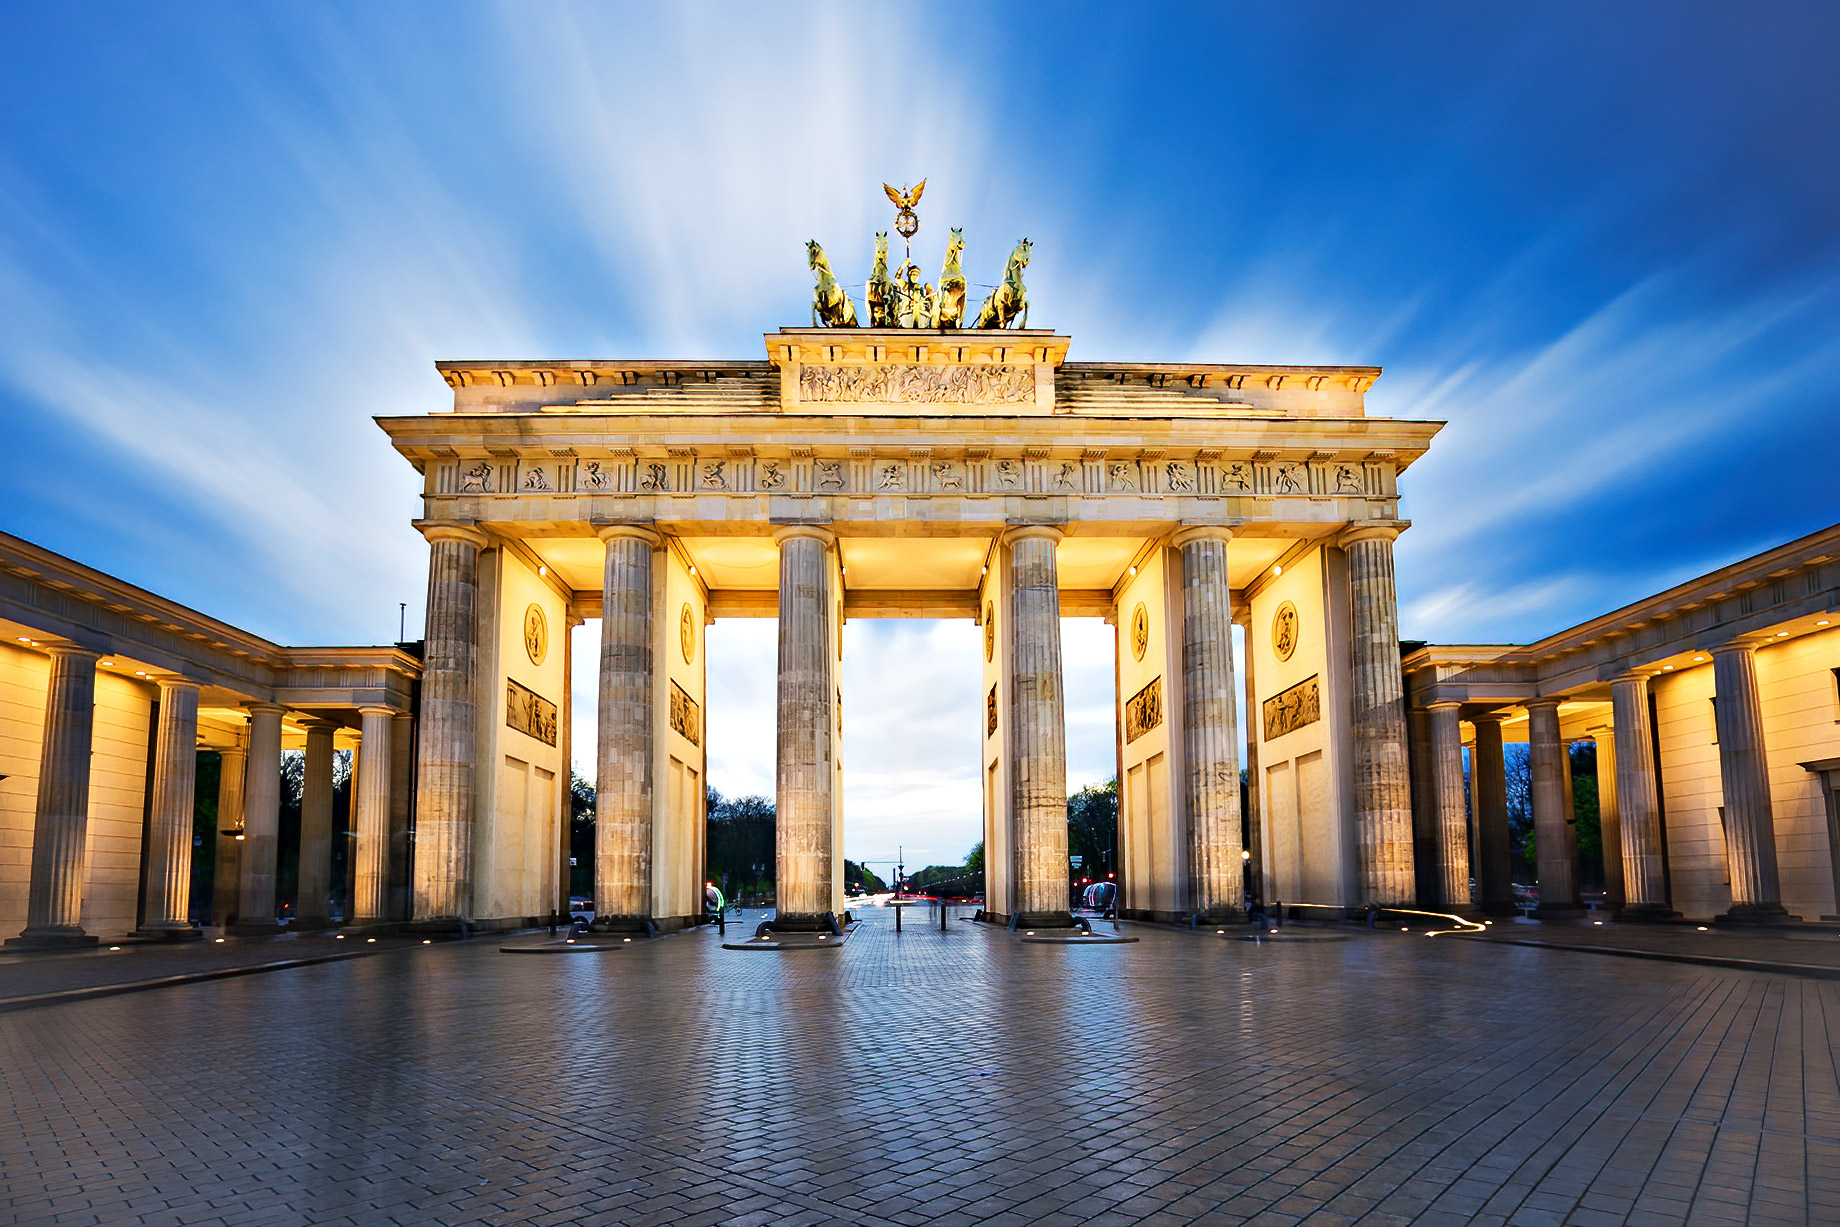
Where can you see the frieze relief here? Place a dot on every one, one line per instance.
(1292, 709)
(898, 384)
(864, 473)
(1144, 711)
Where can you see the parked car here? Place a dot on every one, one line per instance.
(1101, 897)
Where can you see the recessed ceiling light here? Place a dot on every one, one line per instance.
(1822, 622)
(1277, 570)
(1699, 660)
(107, 662)
(542, 570)
(693, 568)
(1782, 634)
(1134, 570)
(23, 639)
(1667, 668)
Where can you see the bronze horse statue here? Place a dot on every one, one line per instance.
(1008, 304)
(880, 292)
(830, 306)
(951, 312)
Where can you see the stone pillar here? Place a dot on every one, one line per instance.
(1555, 836)
(627, 739)
(1452, 815)
(443, 858)
(1638, 808)
(169, 843)
(1488, 768)
(255, 905)
(1382, 773)
(402, 799)
(1038, 728)
(1256, 843)
(371, 817)
(1750, 821)
(1210, 726)
(60, 832)
(312, 898)
(1609, 817)
(225, 878)
(807, 715)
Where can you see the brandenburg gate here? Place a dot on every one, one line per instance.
(893, 469)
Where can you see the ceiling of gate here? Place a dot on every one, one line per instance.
(945, 564)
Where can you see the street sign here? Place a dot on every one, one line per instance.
(1077, 861)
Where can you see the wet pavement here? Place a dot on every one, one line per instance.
(929, 1078)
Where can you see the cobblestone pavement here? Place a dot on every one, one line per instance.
(933, 1078)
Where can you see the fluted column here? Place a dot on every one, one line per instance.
(1038, 730)
(807, 714)
(1750, 820)
(313, 895)
(169, 842)
(1452, 815)
(255, 903)
(1210, 726)
(1555, 836)
(1609, 817)
(371, 816)
(1256, 844)
(232, 763)
(626, 737)
(1382, 774)
(1488, 768)
(444, 800)
(1638, 808)
(60, 831)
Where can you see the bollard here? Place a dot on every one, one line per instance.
(942, 915)
(897, 918)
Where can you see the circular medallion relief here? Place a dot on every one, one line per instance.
(1284, 631)
(990, 631)
(1140, 631)
(686, 632)
(536, 635)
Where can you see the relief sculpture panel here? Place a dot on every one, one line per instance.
(530, 713)
(893, 383)
(1292, 709)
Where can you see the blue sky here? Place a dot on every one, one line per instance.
(1601, 242)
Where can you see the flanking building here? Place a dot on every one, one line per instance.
(1715, 709)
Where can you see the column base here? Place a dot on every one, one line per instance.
(1649, 913)
(1222, 916)
(1044, 920)
(1757, 914)
(803, 922)
(1557, 911)
(623, 924)
(187, 932)
(53, 937)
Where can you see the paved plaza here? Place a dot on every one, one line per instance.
(929, 1078)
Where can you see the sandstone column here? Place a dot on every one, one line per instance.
(402, 790)
(1383, 800)
(54, 904)
(1488, 768)
(1038, 729)
(443, 858)
(312, 898)
(626, 737)
(169, 843)
(1210, 727)
(1555, 837)
(1256, 844)
(371, 816)
(255, 905)
(1609, 818)
(1638, 808)
(1452, 815)
(807, 715)
(232, 764)
(1750, 821)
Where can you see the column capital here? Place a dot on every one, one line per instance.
(1489, 717)
(377, 709)
(1387, 531)
(1200, 532)
(319, 724)
(435, 531)
(1032, 532)
(1443, 704)
(1545, 700)
(629, 532)
(795, 532)
(259, 707)
(1637, 674)
(1746, 646)
(176, 682)
(66, 649)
